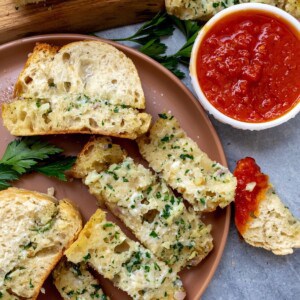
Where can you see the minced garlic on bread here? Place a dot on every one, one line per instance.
(260, 216)
(131, 267)
(35, 229)
(204, 10)
(144, 203)
(75, 281)
(204, 183)
(83, 87)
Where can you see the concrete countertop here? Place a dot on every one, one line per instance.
(246, 272)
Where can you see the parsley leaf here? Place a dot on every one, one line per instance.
(22, 154)
(7, 175)
(153, 48)
(159, 26)
(184, 53)
(188, 28)
(56, 167)
(30, 154)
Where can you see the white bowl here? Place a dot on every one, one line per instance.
(271, 10)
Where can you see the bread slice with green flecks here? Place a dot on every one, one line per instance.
(75, 281)
(131, 267)
(204, 183)
(82, 87)
(144, 202)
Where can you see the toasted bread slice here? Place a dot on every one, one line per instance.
(75, 114)
(274, 228)
(260, 216)
(203, 10)
(204, 183)
(34, 231)
(144, 203)
(84, 87)
(76, 282)
(130, 266)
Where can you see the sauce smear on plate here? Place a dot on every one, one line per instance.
(249, 67)
(252, 185)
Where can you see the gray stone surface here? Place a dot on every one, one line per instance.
(245, 272)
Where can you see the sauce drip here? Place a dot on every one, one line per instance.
(248, 67)
(251, 188)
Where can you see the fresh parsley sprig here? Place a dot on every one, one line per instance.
(159, 26)
(56, 166)
(162, 25)
(30, 154)
(22, 154)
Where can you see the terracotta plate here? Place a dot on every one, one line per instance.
(163, 92)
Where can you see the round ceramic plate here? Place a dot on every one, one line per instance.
(164, 92)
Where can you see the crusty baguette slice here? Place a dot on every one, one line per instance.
(84, 87)
(144, 203)
(204, 183)
(34, 231)
(75, 281)
(203, 10)
(130, 266)
(74, 114)
(273, 228)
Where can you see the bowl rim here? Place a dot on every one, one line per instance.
(264, 8)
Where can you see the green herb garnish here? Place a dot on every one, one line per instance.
(30, 154)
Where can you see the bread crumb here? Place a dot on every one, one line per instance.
(43, 291)
(51, 191)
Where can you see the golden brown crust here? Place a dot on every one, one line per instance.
(40, 48)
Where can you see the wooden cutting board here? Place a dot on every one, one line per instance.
(75, 16)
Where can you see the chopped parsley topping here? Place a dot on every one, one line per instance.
(147, 268)
(202, 200)
(166, 211)
(87, 257)
(107, 225)
(156, 267)
(185, 156)
(134, 262)
(153, 234)
(163, 116)
(30, 284)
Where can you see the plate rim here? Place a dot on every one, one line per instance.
(64, 36)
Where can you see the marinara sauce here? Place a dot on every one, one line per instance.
(248, 66)
(251, 188)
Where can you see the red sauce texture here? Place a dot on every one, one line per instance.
(249, 67)
(247, 201)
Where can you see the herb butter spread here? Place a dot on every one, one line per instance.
(204, 183)
(145, 204)
(129, 265)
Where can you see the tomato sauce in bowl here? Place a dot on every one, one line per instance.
(245, 66)
(248, 67)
